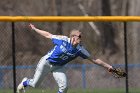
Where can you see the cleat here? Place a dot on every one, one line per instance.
(21, 87)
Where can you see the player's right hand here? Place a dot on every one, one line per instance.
(32, 26)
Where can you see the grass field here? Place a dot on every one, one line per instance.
(74, 91)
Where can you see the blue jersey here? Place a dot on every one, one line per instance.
(63, 51)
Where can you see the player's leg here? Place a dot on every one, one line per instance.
(61, 80)
(42, 69)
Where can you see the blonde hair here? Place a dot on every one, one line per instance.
(74, 32)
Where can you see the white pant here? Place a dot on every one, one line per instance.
(43, 68)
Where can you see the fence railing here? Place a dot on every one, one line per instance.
(14, 19)
(81, 67)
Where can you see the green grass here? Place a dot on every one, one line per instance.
(31, 90)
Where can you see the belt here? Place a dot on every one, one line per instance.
(54, 64)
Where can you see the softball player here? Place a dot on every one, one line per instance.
(65, 50)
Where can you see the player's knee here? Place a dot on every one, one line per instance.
(66, 89)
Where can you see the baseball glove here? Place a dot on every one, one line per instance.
(118, 72)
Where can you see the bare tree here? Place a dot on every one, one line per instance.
(59, 9)
(108, 33)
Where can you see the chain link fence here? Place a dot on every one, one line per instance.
(30, 47)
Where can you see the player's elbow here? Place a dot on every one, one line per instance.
(48, 36)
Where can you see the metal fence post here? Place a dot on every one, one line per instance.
(125, 54)
(84, 76)
(13, 56)
(1, 78)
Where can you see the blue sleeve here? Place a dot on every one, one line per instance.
(84, 53)
(84, 56)
(56, 41)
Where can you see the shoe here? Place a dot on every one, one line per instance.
(21, 87)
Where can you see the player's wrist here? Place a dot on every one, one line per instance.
(34, 29)
(110, 68)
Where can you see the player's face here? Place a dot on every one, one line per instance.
(76, 39)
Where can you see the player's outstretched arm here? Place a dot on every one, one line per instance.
(101, 63)
(116, 72)
(41, 32)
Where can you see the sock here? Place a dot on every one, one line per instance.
(59, 92)
(26, 83)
